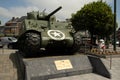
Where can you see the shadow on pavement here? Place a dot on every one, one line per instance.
(17, 65)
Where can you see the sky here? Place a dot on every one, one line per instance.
(18, 8)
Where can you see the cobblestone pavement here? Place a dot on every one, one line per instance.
(8, 70)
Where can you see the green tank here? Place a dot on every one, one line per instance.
(41, 32)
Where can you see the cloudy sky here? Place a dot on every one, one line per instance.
(18, 8)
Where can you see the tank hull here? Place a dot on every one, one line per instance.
(42, 32)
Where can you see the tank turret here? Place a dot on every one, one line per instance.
(41, 32)
(41, 16)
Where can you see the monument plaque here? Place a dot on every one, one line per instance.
(63, 64)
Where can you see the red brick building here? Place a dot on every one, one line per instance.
(13, 26)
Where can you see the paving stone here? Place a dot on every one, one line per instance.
(10, 75)
(7, 70)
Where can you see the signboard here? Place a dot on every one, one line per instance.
(63, 64)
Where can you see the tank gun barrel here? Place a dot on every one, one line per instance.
(48, 16)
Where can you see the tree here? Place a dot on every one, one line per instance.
(96, 17)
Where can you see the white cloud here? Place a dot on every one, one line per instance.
(5, 12)
(118, 21)
(20, 11)
(68, 7)
(16, 11)
(109, 1)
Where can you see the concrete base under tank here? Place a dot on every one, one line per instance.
(60, 66)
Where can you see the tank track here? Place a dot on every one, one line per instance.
(29, 43)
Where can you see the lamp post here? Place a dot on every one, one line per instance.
(114, 25)
(114, 48)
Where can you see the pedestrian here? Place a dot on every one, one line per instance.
(101, 45)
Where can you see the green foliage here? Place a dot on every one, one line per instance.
(97, 17)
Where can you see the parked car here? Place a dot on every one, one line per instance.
(117, 42)
(8, 41)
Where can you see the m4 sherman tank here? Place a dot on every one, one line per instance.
(41, 31)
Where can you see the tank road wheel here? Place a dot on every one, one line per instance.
(29, 44)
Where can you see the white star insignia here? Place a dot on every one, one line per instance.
(56, 34)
